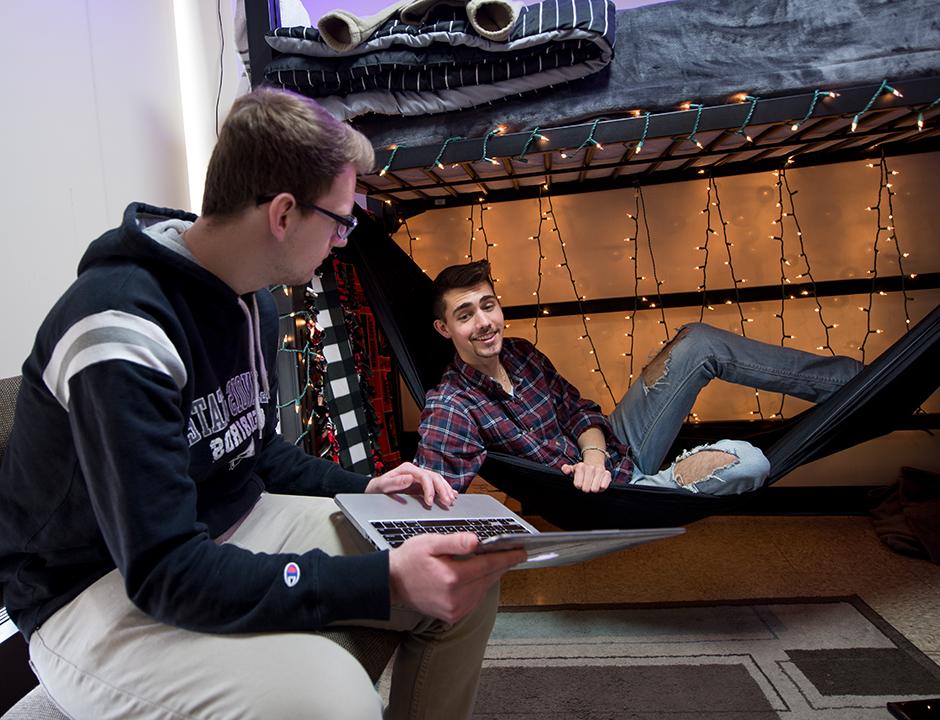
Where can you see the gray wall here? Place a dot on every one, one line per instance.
(93, 119)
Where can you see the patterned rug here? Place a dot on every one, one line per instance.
(792, 659)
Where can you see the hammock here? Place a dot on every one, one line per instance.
(875, 402)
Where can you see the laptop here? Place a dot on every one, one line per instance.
(386, 521)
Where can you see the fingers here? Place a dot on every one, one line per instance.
(477, 566)
(388, 483)
(445, 494)
(598, 482)
(427, 488)
(487, 565)
(433, 486)
(460, 543)
(430, 485)
(590, 478)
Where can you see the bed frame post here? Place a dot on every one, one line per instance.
(260, 17)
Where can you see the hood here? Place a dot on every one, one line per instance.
(130, 241)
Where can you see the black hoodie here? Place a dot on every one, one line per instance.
(144, 428)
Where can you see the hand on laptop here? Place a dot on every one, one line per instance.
(425, 575)
(411, 479)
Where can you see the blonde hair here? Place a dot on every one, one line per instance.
(275, 141)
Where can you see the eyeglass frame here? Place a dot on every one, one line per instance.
(345, 223)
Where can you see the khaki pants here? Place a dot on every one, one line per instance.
(100, 657)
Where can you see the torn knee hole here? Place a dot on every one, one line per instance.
(658, 367)
(702, 465)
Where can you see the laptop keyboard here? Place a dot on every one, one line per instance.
(396, 532)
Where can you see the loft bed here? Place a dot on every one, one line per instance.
(763, 85)
(747, 72)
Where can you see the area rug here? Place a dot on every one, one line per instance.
(793, 659)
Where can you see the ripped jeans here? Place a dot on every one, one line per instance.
(650, 415)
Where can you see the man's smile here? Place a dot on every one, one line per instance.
(486, 337)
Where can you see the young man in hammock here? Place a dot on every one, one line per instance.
(164, 550)
(502, 394)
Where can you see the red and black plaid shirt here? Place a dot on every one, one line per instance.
(469, 413)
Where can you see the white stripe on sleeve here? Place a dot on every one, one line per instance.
(106, 336)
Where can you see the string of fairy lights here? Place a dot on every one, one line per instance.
(541, 259)
(305, 342)
(888, 187)
(469, 256)
(585, 319)
(713, 200)
(411, 239)
(783, 263)
(479, 228)
(632, 237)
(885, 231)
(751, 103)
(808, 270)
(544, 214)
(657, 283)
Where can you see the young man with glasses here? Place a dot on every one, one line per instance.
(166, 553)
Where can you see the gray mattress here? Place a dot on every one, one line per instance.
(704, 51)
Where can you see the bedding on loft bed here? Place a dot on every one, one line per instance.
(704, 51)
(444, 65)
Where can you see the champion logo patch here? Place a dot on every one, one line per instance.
(291, 574)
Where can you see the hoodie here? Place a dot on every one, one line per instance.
(145, 427)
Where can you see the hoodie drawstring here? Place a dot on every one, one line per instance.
(256, 356)
(264, 370)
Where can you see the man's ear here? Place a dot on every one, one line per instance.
(442, 329)
(279, 214)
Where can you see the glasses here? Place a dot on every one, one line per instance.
(345, 224)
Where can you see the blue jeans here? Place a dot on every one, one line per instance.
(650, 415)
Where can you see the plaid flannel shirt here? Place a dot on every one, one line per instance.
(469, 413)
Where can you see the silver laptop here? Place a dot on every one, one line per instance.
(387, 521)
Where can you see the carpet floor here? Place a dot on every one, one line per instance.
(791, 658)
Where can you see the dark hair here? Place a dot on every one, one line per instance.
(276, 141)
(457, 277)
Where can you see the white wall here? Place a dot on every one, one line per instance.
(93, 119)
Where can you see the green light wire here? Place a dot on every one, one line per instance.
(698, 116)
(871, 101)
(491, 133)
(590, 138)
(391, 159)
(437, 160)
(812, 106)
(534, 135)
(740, 131)
(646, 129)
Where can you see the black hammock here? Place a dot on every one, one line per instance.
(880, 399)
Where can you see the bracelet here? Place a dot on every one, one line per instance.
(592, 447)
